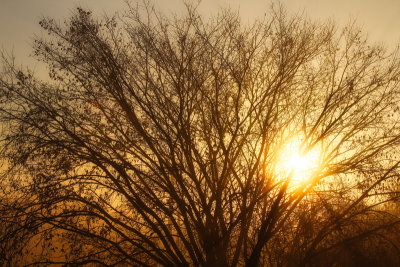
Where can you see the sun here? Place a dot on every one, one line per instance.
(297, 161)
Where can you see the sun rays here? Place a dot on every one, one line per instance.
(297, 161)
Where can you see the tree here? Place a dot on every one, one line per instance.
(159, 139)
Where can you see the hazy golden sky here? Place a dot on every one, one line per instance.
(19, 18)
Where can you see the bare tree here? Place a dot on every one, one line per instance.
(159, 139)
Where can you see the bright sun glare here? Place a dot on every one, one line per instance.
(293, 160)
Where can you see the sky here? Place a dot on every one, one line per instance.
(380, 19)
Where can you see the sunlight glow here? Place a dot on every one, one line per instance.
(298, 162)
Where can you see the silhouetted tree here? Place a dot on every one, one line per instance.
(158, 140)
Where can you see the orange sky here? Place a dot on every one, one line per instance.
(19, 18)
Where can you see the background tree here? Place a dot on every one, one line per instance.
(162, 139)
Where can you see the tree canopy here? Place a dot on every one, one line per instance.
(162, 139)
